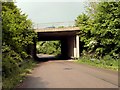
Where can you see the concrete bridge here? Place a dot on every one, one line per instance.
(65, 32)
(68, 36)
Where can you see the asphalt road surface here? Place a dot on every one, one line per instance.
(68, 74)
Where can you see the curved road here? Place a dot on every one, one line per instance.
(68, 74)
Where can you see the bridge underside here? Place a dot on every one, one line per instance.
(69, 42)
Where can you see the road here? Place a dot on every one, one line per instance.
(68, 74)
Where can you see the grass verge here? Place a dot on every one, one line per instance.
(100, 63)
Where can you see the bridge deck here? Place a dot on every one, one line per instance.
(57, 29)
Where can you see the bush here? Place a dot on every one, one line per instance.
(17, 36)
(14, 74)
(105, 62)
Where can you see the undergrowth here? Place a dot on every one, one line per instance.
(11, 81)
(106, 62)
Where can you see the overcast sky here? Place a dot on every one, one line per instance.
(45, 12)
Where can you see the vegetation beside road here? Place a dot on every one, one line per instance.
(18, 75)
(17, 39)
(100, 34)
(107, 62)
(100, 30)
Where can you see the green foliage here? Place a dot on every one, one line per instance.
(17, 30)
(10, 62)
(17, 37)
(18, 76)
(100, 29)
(48, 47)
(108, 27)
(106, 62)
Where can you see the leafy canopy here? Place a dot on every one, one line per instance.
(100, 29)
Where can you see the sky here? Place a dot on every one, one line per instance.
(47, 12)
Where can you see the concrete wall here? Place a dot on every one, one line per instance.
(77, 46)
(70, 47)
(71, 42)
(74, 47)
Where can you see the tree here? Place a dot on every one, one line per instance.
(17, 29)
(100, 29)
(17, 36)
(107, 27)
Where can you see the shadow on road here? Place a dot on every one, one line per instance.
(45, 58)
(32, 82)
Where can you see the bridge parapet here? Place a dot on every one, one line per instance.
(58, 29)
(54, 25)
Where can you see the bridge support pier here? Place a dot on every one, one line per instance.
(70, 47)
(77, 47)
(33, 50)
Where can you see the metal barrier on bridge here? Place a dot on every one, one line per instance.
(54, 25)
